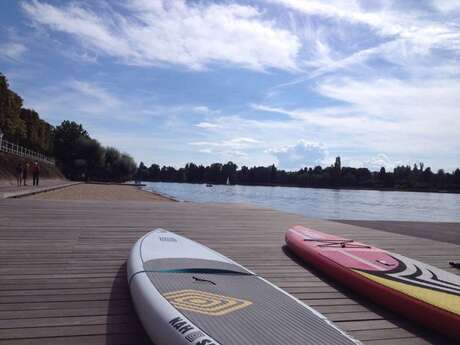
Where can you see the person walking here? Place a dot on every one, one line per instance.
(25, 169)
(35, 173)
(19, 174)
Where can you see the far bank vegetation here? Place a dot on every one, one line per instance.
(416, 178)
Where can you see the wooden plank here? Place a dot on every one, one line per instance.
(108, 339)
(63, 273)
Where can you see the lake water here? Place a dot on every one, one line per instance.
(325, 203)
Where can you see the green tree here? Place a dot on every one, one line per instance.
(39, 133)
(10, 108)
(68, 139)
(91, 151)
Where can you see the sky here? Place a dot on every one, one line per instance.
(293, 83)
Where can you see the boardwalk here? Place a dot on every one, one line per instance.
(63, 277)
(11, 191)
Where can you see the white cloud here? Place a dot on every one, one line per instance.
(375, 163)
(201, 109)
(228, 149)
(234, 143)
(386, 77)
(340, 119)
(94, 91)
(447, 6)
(342, 10)
(302, 154)
(406, 37)
(83, 100)
(204, 110)
(12, 50)
(412, 118)
(413, 102)
(207, 125)
(243, 141)
(246, 141)
(386, 19)
(162, 32)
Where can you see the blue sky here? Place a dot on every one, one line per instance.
(290, 82)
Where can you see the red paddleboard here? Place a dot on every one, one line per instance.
(416, 290)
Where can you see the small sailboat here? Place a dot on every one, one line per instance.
(228, 181)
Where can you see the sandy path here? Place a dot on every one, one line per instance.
(100, 192)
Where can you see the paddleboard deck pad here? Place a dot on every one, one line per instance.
(419, 291)
(186, 293)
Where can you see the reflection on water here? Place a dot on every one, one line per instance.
(325, 203)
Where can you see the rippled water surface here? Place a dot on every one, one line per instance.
(325, 203)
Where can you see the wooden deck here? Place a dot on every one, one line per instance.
(63, 277)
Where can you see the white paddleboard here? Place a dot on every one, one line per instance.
(186, 293)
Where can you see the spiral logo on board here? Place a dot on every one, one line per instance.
(205, 302)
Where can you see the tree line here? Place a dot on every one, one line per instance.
(23, 126)
(77, 155)
(416, 177)
(81, 157)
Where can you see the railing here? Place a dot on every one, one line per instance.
(20, 151)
